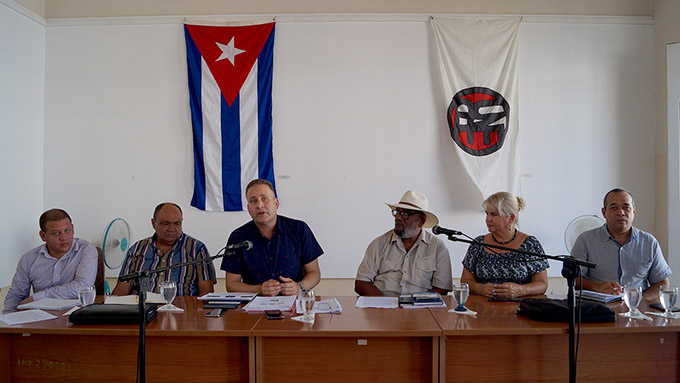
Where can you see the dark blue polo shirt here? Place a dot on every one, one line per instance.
(292, 246)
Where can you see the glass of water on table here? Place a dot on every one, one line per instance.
(632, 296)
(86, 295)
(169, 291)
(668, 295)
(461, 291)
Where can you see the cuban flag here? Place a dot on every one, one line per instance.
(230, 95)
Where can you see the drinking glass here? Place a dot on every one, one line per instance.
(668, 295)
(461, 291)
(86, 295)
(168, 290)
(632, 296)
(306, 298)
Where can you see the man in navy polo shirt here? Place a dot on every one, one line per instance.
(283, 259)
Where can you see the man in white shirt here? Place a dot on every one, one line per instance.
(407, 259)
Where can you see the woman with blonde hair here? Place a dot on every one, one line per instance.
(504, 274)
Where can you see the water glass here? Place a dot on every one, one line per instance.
(168, 290)
(306, 298)
(632, 296)
(461, 291)
(86, 295)
(668, 295)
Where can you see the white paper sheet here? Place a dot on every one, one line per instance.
(283, 303)
(377, 302)
(50, 304)
(28, 316)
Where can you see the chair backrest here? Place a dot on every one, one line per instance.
(100, 280)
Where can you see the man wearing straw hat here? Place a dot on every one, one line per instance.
(407, 259)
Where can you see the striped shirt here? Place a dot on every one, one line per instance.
(144, 255)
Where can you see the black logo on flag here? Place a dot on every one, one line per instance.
(478, 120)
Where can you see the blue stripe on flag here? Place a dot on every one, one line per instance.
(231, 155)
(264, 89)
(194, 74)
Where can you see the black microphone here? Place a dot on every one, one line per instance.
(246, 245)
(441, 230)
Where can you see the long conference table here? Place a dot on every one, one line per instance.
(357, 345)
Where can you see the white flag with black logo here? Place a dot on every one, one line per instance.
(478, 65)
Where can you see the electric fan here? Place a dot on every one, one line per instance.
(117, 237)
(577, 226)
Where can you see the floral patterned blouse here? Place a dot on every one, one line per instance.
(512, 267)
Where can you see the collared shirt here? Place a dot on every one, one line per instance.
(638, 262)
(51, 277)
(144, 255)
(511, 266)
(292, 246)
(394, 271)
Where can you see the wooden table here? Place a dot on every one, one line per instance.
(499, 346)
(180, 347)
(358, 345)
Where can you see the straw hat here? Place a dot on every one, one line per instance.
(412, 200)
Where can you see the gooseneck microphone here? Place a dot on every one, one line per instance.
(442, 230)
(246, 245)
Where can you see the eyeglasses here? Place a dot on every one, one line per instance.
(404, 214)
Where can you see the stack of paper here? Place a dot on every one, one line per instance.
(283, 303)
(427, 299)
(600, 297)
(133, 299)
(421, 300)
(50, 304)
(377, 302)
(228, 297)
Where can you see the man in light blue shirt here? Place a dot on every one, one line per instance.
(624, 254)
(56, 269)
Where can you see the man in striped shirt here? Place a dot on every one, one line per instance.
(169, 246)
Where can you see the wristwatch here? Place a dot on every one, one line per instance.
(302, 287)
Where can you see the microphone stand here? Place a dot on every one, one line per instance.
(570, 269)
(142, 278)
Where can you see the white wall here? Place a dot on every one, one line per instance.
(22, 66)
(357, 122)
